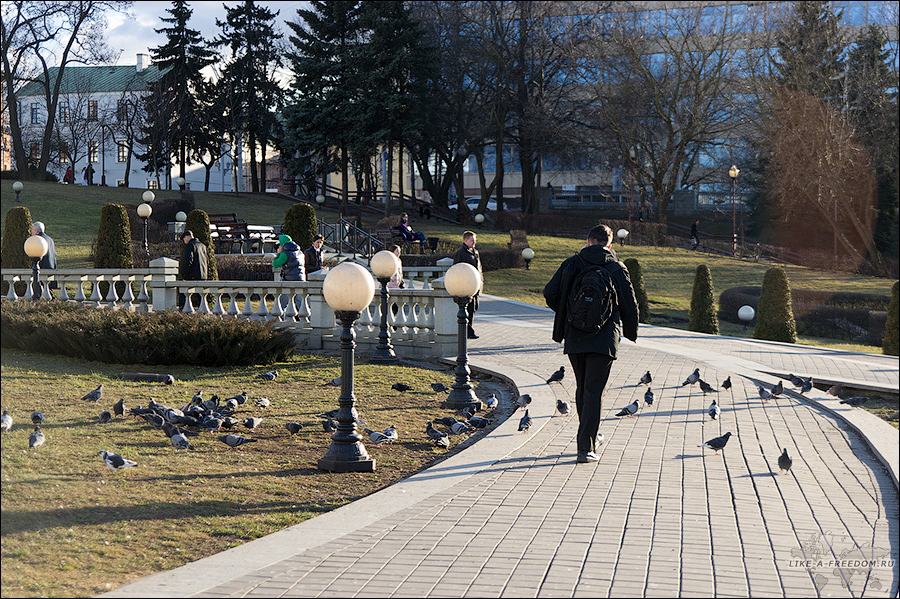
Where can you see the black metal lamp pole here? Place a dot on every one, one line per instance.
(461, 396)
(144, 246)
(384, 351)
(347, 453)
(36, 283)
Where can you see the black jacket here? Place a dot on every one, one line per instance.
(624, 319)
(470, 256)
(194, 261)
(312, 259)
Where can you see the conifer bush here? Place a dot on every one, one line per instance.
(197, 222)
(775, 314)
(703, 318)
(640, 292)
(16, 231)
(300, 224)
(890, 344)
(113, 246)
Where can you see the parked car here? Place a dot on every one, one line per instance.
(473, 203)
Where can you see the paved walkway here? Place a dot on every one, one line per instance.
(515, 516)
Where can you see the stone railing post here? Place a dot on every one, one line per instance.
(446, 328)
(321, 315)
(162, 271)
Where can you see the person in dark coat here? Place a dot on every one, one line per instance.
(194, 264)
(592, 354)
(89, 174)
(468, 254)
(312, 256)
(695, 234)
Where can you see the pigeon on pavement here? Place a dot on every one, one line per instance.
(795, 380)
(835, 390)
(234, 440)
(648, 396)
(36, 438)
(784, 461)
(778, 389)
(115, 462)
(119, 408)
(401, 387)
(562, 407)
(94, 395)
(268, 375)
(558, 375)
(525, 422)
(629, 410)
(293, 427)
(692, 378)
(807, 386)
(717, 444)
(646, 379)
(105, 416)
(440, 387)
(854, 402)
(705, 387)
(523, 400)
(6, 421)
(764, 394)
(37, 418)
(491, 402)
(262, 402)
(727, 384)
(714, 410)
(180, 441)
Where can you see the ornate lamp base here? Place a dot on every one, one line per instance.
(462, 395)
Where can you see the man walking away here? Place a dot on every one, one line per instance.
(591, 353)
(194, 264)
(468, 254)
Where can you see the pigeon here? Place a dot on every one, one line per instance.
(262, 402)
(376, 437)
(251, 423)
(717, 443)
(119, 408)
(115, 462)
(443, 442)
(234, 440)
(6, 421)
(807, 386)
(268, 375)
(629, 410)
(440, 387)
(795, 380)
(212, 424)
(835, 390)
(525, 422)
(94, 395)
(784, 461)
(458, 428)
(228, 423)
(447, 421)
(434, 433)
(478, 422)
(231, 404)
(714, 410)
(727, 384)
(562, 407)
(104, 417)
(558, 375)
(466, 412)
(335, 382)
(329, 425)
(37, 418)
(36, 438)
(154, 420)
(646, 379)
(491, 402)
(764, 394)
(329, 414)
(293, 427)
(179, 441)
(523, 400)
(705, 387)
(692, 378)
(400, 387)
(198, 397)
(172, 429)
(648, 397)
(391, 433)
(778, 389)
(855, 402)
(240, 398)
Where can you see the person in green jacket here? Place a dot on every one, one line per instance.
(290, 259)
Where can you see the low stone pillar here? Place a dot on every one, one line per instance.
(162, 297)
(321, 316)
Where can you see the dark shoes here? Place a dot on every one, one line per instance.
(472, 334)
(585, 457)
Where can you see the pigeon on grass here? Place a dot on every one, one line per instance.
(36, 438)
(37, 418)
(629, 410)
(119, 408)
(293, 427)
(104, 417)
(329, 425)
(558, 375)
(458, 428)
(855, 402)
(717, 444)
(401, 387)
(478, 422)
(269, 375)
(784, 462)
(376, 437)
(335, 382)
(491, 402)
(115, 462)
(234, 440)
(437, 437)
(180, 441)
(440, 388)
(6, 421)
(251, 422)
(94, 395)
(391, 433)
(262, 402)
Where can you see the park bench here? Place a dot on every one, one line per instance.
(393, 235)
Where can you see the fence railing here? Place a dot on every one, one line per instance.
(423, 314)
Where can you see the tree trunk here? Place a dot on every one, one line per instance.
(254, 176)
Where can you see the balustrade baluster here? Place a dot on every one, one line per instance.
(248, 307)
(95, 294)
(11, 295)
(290, 312)
(277, 311)
(128, 296)
(63, 294)
(111, 296)
(79, 291)
(143, 297)
(304, 312)
(204, 303)
(188, 302)
(263, 311)
(232, 304)
(220, 308)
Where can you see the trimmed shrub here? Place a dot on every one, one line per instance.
(300, 224)
(157, 338)
(236, 267)
(198, 223)
(703, 303)
(775, 316)
(16, 231)
(640, 292)
(890, 343)
(113, 246)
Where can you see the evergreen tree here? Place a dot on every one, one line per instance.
(810, 46)
(300, 224)
(15, 232)
(775, 314)
(703, 318)
(891, 343)
(113, 246)
(640, 292)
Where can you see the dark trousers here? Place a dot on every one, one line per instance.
(591, 374)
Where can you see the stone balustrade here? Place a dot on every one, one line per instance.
(422, 316)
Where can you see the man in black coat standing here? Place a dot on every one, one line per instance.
(592, 354)
(468, 254)
(312, 256)
(194, 264)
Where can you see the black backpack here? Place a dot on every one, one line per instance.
(592, 299)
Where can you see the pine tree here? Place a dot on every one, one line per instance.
(775, 314)
(15, 232)
(891, 344)
(810, 46)
(703, 318)
(300, 224)
(113, 247)
(640, 292)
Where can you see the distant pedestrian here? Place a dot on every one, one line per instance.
(592, 353)
(84, 175)
(194, 264)
(89, 174)
(469, 255)
(313, 255)
(408, 234)
(695, 234)
(69, 177)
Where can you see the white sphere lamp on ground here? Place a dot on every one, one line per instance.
(622, 234)
(528, 256)
(18, 187)
(746, 313)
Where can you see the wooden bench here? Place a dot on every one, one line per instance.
(388, 236)
(230, 233)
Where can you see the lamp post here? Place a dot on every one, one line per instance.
(348, 288)
(36, 247)
(733, 172)
(144, 211)
(180, 183)
(528, 255)
(462, 282)
(746, 313)
(384, 265)
(631, 155)
(103, 152)
(17, 187)
(622, 234)
(180, 218)
(320, 199)
(479, 219)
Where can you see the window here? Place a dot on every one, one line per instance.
(120, 183)
(35, 151)
(151, 184)
(35, 114)
(93, 154)
(121, 152)
(63, 112)
(64, 152)
(92, 110)
(121, 111)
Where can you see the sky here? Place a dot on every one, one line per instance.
(135, 35)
